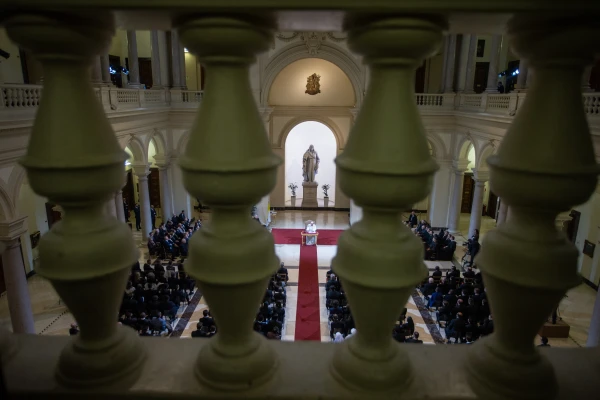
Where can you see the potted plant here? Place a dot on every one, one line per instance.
(293, 188)
(326, 198)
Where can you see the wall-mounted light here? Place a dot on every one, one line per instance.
(185, 50)
(127, 163)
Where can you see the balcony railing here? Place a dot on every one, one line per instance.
(27, 97)
(76, 161)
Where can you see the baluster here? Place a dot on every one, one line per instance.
(526, 261)
(385, 168)
(75, 160)
(228, 165)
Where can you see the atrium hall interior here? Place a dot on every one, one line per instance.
(309, 88)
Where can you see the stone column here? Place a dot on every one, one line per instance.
(176, 60)
(459, 168)
(105, 70)
(166, 203)
(477, 207)
(585, 83)
(450, 65)
(521, 85)
(593, 339)
(119, 206)
(440, 194)
(182, 66)
(19, 304)
(492, 79)
(97, 72)
(134, 68)
(502, 213)
(156, 76)
(144, 204)
(470, 68)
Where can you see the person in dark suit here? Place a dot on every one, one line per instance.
(456, 327)
(153, 216)
(412, 219)
(414, 339)
(544, 342)
(337, 325)
(74, 330)
(138, 219)
(126, 210)
(182, 216)
(437, 271)
(206, 319)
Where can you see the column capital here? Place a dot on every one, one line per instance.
(460, 166)
(480, 176)
(141, 170)
(11, 230)
(162, 162)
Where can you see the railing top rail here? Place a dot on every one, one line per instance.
(300, 365)
(354, 5)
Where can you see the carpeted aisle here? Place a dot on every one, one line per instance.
(308, 314)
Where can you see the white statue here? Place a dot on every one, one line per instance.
(310, 164)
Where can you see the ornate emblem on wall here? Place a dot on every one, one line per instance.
(313, 40)
(312, 84)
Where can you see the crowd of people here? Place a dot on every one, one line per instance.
(270, 318)
(460, 304)
(171, 239)
(153, 296)
(438, 246)
(341, 323)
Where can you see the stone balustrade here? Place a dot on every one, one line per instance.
(27, 98)
(228, 164)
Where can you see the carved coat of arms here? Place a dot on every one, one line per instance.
(312, 84)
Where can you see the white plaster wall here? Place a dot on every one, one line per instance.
(10, 70)
(297, 142)
(288, 88)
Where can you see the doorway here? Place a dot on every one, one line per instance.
(573, 225)
(481, 74)
(420, 79)
(492, 208)
(467, 195)
(52, 214)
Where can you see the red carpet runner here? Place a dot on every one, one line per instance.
(308, 320)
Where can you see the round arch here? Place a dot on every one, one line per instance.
(183, 140)
(297, 51)
(7, 209)
(287, 128)
(296, 143)
(463, 149)
(437, 145)
(484, 153)
(159, 143)
(18, 176)
(138, 149)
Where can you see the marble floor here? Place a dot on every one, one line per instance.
(52, 317)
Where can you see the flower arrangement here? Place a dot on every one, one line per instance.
(325, 189)
(293, 188)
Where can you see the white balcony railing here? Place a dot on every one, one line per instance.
(27, 97)
(20, 97)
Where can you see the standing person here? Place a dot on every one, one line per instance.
(412, 220)
(138, 221)
(153, 216)
(126, 210)
(182, 216)
(500, 87)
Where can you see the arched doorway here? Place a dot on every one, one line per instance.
(297, 142)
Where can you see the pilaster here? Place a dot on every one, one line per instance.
(134, 67)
